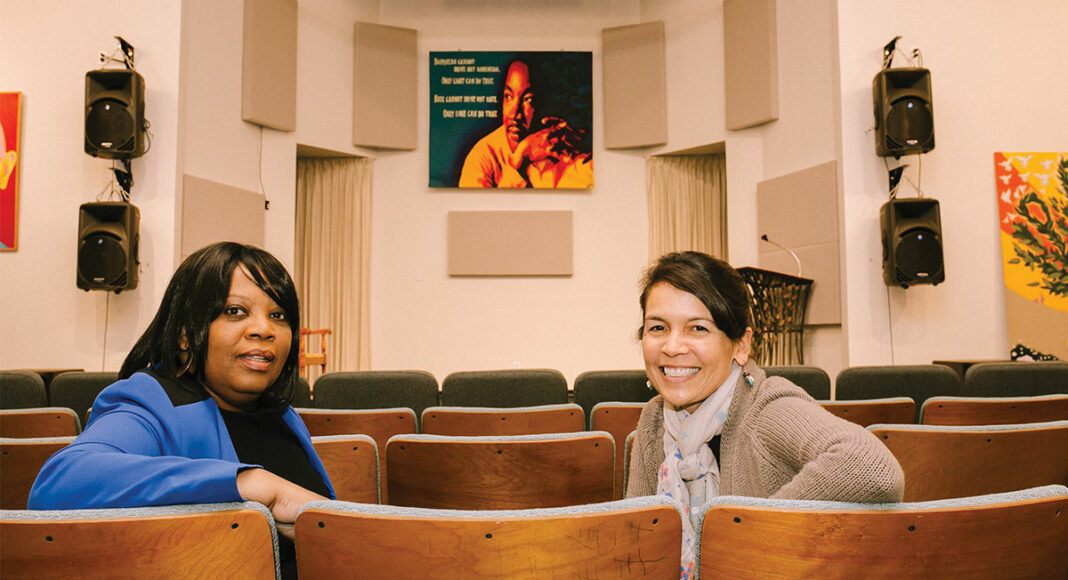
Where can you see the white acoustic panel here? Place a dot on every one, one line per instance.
(751, 62)
(269, 64)
(510, 243)
(635, 86)
(216, 212)
(384, 87)
(800, 211)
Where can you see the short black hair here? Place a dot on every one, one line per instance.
(714, 282)
(196, 295)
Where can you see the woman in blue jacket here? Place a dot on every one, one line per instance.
(201, 412)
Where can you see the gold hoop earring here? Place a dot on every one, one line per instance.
(188, 362)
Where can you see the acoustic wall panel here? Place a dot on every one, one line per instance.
(800, 211)
(269, 64)
(510, 243)
(384, 87)
(751, 62)
(215, 212)
(635, 86)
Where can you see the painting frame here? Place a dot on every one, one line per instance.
(481, 139)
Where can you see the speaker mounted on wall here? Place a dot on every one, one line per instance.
(904, 118)
(107, 246)
(114, 113)
(912, 242)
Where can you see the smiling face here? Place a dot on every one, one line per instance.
(247, 345)
(518, 103)
(686, 356)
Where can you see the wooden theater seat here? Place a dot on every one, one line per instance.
(619, 419)
(564, 418)
(994, 410)
(500, 472)
(1020, 534)
(379, 424)
(231, 540)
(351, 462)
(866, 412)
(957, 461)
(636, 538)
(39, 422)
(20, 462)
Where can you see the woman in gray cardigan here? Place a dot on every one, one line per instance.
(719, 426)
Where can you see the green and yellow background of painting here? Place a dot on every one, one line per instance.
(1036, 317)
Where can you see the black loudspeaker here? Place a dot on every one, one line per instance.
(912, 242)
(114, 114)
(107, 246)
(904, 119)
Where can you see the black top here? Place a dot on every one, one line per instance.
(263, 438)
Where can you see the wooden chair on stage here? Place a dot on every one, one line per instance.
(1019, 534)
(351, 462)
(635, 538)
(20, 462)
(39, 422)
(956, 461)
(994, 410)
(307, 357)
(871, 411)
(230, 540)
(619, 419)
(500, 472)
(474, 421)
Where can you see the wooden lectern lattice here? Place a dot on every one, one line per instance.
(779, 305)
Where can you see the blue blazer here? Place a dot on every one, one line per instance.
(151, 443)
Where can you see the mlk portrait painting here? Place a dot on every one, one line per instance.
(511, 120)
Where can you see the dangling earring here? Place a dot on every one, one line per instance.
(649, 385)
(748, 377)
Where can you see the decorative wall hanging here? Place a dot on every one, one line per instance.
(1032, 193)
(10, 130)
(511, 120)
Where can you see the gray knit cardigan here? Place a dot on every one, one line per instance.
(778, 442)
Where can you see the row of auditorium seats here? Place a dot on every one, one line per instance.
(528, 387)
(1019, 534)
(557, 469)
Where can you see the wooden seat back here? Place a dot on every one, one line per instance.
(957, 461)
(619, 419)
(20, 462)
(994, 410)
(39, 422)
(379, 424)
(196, 541)
(637, 538)
(351, 462)
(500, 472)
(474, 421)
(1013, 535)
(866, 412)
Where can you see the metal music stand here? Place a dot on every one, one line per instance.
(779, 305)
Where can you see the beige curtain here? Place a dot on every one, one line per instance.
(687, 204)
(333, 258)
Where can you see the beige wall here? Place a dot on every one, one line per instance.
(995, 87)
(46, 47)
(993, 90)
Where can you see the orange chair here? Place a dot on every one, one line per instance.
(313, 358)
(620, 419)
